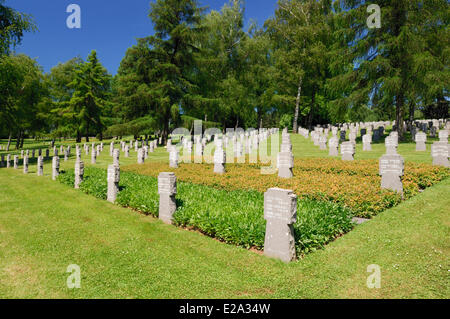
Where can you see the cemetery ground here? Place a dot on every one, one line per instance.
(46, 226)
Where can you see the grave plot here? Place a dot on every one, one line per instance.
(235, 217)
(354, 185)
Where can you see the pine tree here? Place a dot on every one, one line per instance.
(382, 66)
(171, 56)
(91, 87)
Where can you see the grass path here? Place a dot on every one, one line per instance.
(45, 226)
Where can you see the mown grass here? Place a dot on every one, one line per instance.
(234, 217)
(46, 226)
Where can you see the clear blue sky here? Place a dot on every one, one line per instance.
(108, 26)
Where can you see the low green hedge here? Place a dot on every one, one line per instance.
(235, 217)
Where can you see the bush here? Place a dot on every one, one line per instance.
(235, 217)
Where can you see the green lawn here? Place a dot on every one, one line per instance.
(45, 226)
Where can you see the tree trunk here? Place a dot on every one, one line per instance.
(9, 141)
(19, 134)
(87, 132)
(311, 111)
(399, 116)
(297, 106)
(412, 109)
(22, 139)
(78, 136)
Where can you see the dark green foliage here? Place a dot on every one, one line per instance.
(235, 217)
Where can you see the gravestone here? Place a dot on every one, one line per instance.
(113, 182)
(440, 152)
(55, 167)
(8, 161)
(343, 134)
(352, 137)
(33, 153)
(40, 166)
(285, 159)
(219, 160)
(16, 161)
(2, 161)
(333, 145)
(367, 142)
(173, 156)
(78, 154)
(347, 151)
(280, 212)
(47, 153)
(391, 145)
(363, 131)
(127, 151)
(376, 135)
(433, 131)
(167, 189)
(140, 156)
(66, 155)
(421, 138)
(443, 136)
(323, 142)
(93, 156)
(116, 157)
(413, 133)
(198, 157)
(25, 164)
(79, 173)
(111, 148)
(391, 171)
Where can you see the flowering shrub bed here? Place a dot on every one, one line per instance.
(354, 185)
(235, 217)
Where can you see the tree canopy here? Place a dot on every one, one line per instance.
(313, 62)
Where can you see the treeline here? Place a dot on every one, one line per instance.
(313, 62)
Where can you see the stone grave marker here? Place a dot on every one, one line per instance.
(25, 164)
(55, 167)
(347, 151)
(439, 152)
(140, 156)
(219, 160)
(280, 212)
(333, 145)
(79, 173)
(391, 171)
(116, 157)
(113, 182)
(93, 156)
(40, 166)
(367, 142)
(167, 189)
(420, 139)
(173, 156)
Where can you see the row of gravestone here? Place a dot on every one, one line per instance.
(280, 213)
(244, 143)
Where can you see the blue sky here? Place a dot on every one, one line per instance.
(108, 26)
